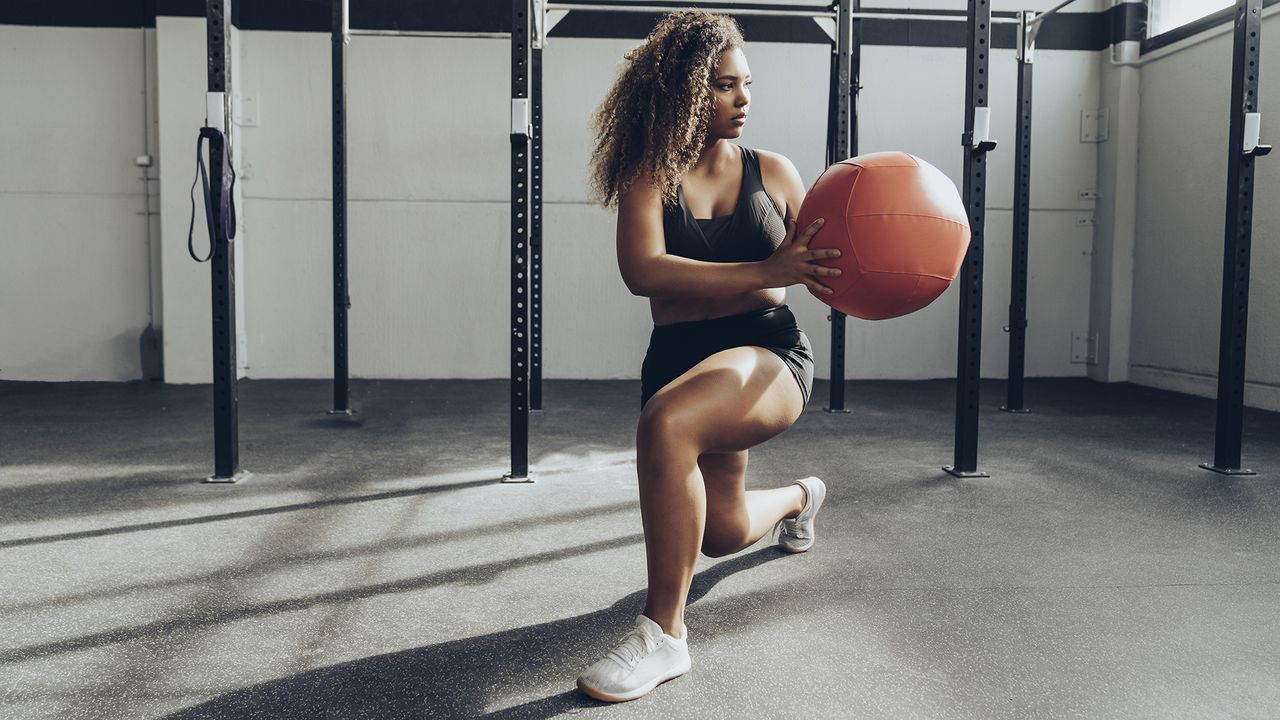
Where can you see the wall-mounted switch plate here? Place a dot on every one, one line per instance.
(1079, 347)
(1095, 125)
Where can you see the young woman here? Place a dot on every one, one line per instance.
(701, 233)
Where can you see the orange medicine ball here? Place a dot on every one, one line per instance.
(901, 229)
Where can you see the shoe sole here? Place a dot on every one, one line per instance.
(798, 550)
(638, 692)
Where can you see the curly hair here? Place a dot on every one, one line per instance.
(654, 120)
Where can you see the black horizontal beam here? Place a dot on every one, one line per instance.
(481, 16)
(85, 13)
(1074, 31)
(700, 5)
(1063, 31)
(635, 26)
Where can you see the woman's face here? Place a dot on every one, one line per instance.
(729, 87)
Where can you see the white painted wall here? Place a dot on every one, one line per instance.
(427, 152)
(1181, 201)
(75, 277)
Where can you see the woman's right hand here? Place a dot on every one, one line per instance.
(793, 262)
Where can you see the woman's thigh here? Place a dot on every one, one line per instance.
(728, 402)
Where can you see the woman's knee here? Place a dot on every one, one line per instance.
(724, 539)
(664, 422)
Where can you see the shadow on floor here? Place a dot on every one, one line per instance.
(471, 575)
(264, 568)
(256, 512)
(460, 678)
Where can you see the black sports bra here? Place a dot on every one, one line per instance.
(750, 234)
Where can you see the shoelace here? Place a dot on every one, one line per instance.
(790, 526)
(632, 647)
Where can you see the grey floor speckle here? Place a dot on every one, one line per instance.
(374, 567)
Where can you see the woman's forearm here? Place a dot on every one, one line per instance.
(676, 275)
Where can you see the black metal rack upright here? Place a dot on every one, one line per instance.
(1017, 327)
(221, 222)
(1029, 26)
(1243, 147)
(535, 233)
(977, 125)
(842, 143)
(521, 172)
(341, 297)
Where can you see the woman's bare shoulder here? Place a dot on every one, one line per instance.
(641, 194)
(776, 163)
(781, 178)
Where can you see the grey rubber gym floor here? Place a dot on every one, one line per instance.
(376, 568)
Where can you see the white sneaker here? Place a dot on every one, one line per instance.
(797, 533)
(643, 659)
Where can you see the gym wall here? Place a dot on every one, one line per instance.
(1181, 200)
(77, 269)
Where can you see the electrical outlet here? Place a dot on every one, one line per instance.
(1084, 221)
(1091, 352)
(1088, 194)
(1095, 125)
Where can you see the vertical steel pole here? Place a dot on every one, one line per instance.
(977, 126)
(341, 298)
(838, 148)
(521, 170)
(1243, 147)
(535, 238)
(226, 433)
(1017, 327)
(855, 73)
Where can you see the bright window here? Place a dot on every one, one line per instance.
(1165, 15)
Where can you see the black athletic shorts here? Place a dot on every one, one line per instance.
(675, 348)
